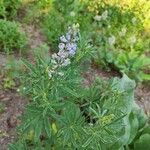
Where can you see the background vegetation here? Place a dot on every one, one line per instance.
(63, 112)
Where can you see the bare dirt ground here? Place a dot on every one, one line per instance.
(13, 103)
(13, 108)
(142, 95)
(35, 36)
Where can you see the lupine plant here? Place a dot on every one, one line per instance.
(63, 113)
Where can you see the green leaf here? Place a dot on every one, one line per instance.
(72, 92)
(145, 76)
(142, 118)
(127, 86)
(88, 142)
(146, 130)
(47, 127)
(38, 130)
(18, 146)
(133, 125)
(71, 123)
(146, 61)
(143, 143)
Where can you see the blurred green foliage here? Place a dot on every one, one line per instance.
(8, 8)
(11, 37)
(118, 33)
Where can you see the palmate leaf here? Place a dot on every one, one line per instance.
(115, 131)
(18, 146)
(72, 92)
(97, 138)
(37, 121)
(28, 65)
(38, 129)
(47, 127)
(102, 136)
(71, 123)
(88, 142)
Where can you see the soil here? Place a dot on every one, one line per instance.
(35, 36)
(142, 96)
(13, 108)
(12, 102)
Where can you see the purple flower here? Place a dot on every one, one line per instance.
(63, 39)
(72, 53)
(68, 36)
(66, 62)
(76, 38)
(62, 54)
(61, 46)
(67, 48)
(71, 46)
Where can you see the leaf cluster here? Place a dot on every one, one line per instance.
(11, 38)
(9, 8)
(64, 114)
